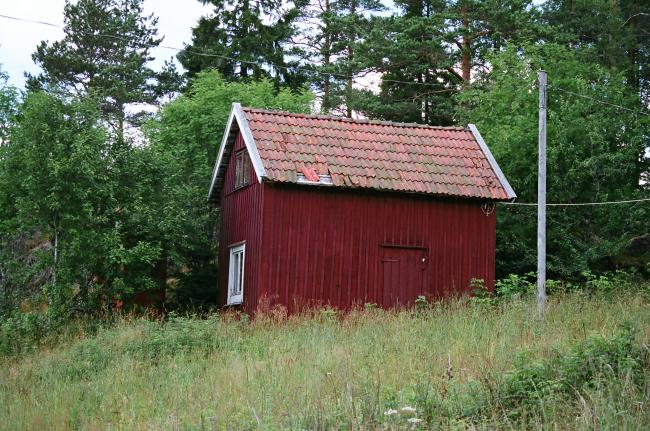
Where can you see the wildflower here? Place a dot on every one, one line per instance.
(414, 420)
(390, 412)
(408, 409)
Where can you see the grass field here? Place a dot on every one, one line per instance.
(460, 365)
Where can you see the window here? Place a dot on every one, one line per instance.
(236, 274)
(242, 169)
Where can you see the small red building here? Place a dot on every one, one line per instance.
(320, 210)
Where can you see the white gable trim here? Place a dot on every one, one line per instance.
(493, 163)
(249, 141)
(237, 114)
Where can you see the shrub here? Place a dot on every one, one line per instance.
(22, 332)
(515, 285)
(594, 361)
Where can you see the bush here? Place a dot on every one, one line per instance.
(595, 361)
(22, 333)
(515, 285)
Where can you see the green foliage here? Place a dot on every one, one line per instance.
(613, 34)
(105, 54)
(428, 50)
(595, 153)
(246, 40)
(421, 303)
(594, 362)
(451, 366)
(480, 293)
(515, 285)
(184, 141)
(67, 211)
(22, 333)
(54, 175)
(8, 105)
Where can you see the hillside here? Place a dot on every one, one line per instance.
(462, 365)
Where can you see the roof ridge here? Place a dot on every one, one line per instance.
(351, 120)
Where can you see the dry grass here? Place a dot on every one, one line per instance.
(321, 371)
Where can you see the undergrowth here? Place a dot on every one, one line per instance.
(457, 365)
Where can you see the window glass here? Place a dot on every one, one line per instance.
(236, 274)
(242, 169)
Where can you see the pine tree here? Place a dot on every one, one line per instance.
(105, 54)
(428, 52)
(418, 76)
(245, 40)
(349, 24)
(614, 34)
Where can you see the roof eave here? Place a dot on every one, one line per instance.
(493, 163)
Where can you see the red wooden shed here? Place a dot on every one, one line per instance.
(320, 210)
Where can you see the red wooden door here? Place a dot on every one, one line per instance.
(404, 275)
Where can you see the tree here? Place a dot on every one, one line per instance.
(596, 152)
(105, 54)
(612, 33)
(51, 170)
(63, 195)
(245, 40)
(9, 102)
(312, 44)
(428, 51)
(184, 142)
(411, 53)
(349, 23)
(8, 105)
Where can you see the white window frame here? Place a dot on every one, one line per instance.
(242, 169)
(234, 296)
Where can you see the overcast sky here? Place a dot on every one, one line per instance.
(18, 40)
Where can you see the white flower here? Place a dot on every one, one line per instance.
(390, 412)
(408, 409)
(414, 420)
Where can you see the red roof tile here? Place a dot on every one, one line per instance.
(445, 161)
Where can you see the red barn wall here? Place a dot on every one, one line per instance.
(341, 247)
(241, 214)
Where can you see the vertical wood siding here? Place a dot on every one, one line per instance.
(241, 215)
(308, 246)
(344, 248)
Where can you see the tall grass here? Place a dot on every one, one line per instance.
(459, 365)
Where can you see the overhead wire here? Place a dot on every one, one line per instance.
(301, 69)
(603, 102)
(342, 76)
(234, 59)
(577, 204)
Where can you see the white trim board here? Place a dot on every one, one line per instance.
(493, 163)
(241, 270)
(237, 116)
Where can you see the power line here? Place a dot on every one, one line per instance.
(602, 102)
(225, 57)
(578, 204)
(446, 87)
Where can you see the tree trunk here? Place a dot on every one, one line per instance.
(326, 62)
(465, 52)
(56, 255)
(351, 40)
(348, 97)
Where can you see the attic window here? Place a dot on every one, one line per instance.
(242, 169)
(325, 180)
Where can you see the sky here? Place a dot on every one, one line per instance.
(18, 40)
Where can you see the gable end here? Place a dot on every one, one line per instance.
(236, 123)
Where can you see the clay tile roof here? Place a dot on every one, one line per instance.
(350, 153)
(448, 161)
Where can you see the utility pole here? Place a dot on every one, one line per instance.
(541, 199)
